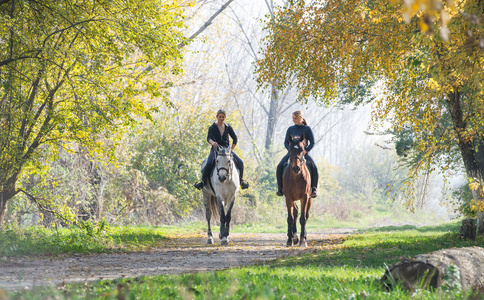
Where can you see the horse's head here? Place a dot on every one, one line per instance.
(297, 144)
(223, 162)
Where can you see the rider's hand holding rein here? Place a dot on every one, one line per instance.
(214, 144)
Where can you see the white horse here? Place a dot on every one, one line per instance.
(219, 193)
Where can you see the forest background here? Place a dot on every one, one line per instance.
(130, 154)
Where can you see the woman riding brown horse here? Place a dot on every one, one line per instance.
(297, 186)
(299, 128)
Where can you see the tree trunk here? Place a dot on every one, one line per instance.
(6, 193)
(271, 119)
(459, 268)
(3, 207)
(468, 151)
(99, 195)
(468, 229)
(479, 155)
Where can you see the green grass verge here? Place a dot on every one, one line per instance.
(351, 270)
(41, 241)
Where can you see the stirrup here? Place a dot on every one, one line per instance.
(199, 185)
(244, 185)
(279, 192)
(314, 193)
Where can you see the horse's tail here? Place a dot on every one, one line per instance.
(214, 208)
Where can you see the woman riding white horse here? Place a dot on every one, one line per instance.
(218, 135)
(221, 186)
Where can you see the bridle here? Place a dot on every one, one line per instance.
(223, 168)
(302, 160)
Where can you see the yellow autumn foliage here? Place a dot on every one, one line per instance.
(429, 84)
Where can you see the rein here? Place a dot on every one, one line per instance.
(301, 159)
(297, 157)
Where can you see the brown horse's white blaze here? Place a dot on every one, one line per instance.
(296, 184)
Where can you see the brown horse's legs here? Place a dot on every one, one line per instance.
(295, 212)
(290, 234)
(290, 222)
(308, 206)
(302, 221)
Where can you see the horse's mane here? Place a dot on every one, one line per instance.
(223, 151)
(297, 139)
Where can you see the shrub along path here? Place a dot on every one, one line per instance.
(181, 253)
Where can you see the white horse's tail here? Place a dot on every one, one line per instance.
(214, 209)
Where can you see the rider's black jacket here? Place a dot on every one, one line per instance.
(299, 130)
(222, 140)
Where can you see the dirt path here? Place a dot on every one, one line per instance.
(181, 254)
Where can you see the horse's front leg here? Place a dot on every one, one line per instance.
(228, 215)
(222, 216)
(295, 240)
(302, 221)
(208, 214)
(290, 222)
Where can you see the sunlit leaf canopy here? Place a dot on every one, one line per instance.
(71, 70)
(335, 49)
(428, 11)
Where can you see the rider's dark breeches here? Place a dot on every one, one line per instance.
(313, 170)
(211, 159)
(208, 166)
(240, 165)
(279, 169)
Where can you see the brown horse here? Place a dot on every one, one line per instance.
(296, 185)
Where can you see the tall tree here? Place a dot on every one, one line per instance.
(73, 71)
(337, 48)
(272, 104)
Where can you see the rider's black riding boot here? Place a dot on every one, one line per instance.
(279, 191)
(314, 193)
(279, 181)
(205, 175)
(199, 185)
(243, 184)
(314, 181)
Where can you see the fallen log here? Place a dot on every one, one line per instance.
(457, 268)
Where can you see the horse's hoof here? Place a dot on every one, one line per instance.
(210, 241)
(303, 243)
(289, 243)
(295, 240)
(225, 241)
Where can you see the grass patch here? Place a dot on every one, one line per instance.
(351, 270)
(41, 241)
